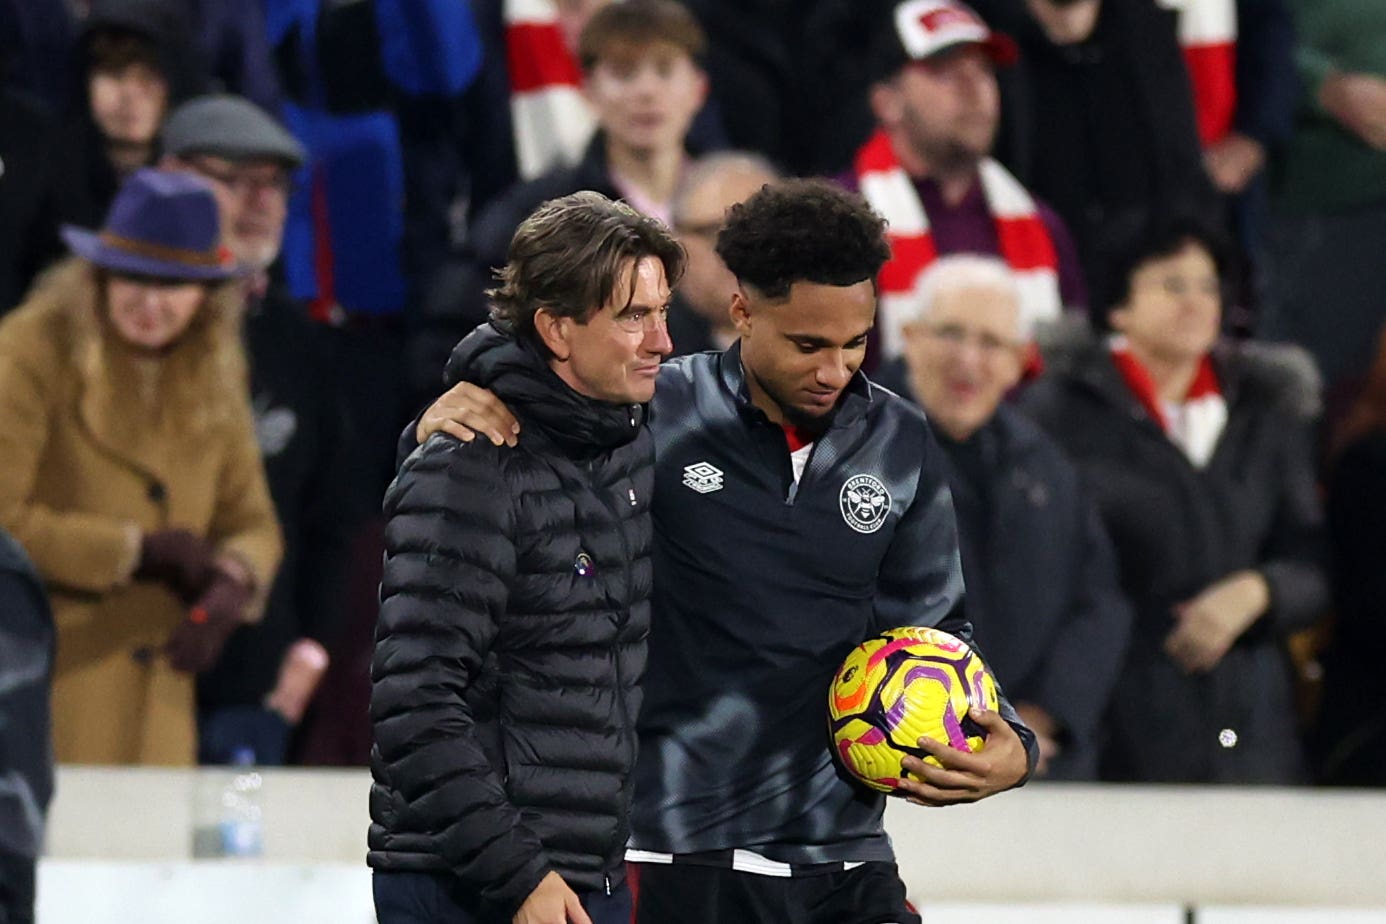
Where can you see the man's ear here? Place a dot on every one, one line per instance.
(740, 311)
(553, 332)
(885, 103)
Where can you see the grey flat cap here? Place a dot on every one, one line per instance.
(229, 126)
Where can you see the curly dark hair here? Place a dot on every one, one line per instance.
(567, 257)
(802, 231)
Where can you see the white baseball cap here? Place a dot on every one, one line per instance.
(925, 28)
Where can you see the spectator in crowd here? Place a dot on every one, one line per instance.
(28, 180)
(1042, 591)
(641, 73)
(1349, 737)
(233, 38)
(787, 80)
(1097, 115)
(135, 62)
(1199, 456)
(700, 318)
(928, 166)
(1325, 273)
(346, 70)
(26, 740)
(229, 36)
(531, 111)
(39, 35)
(269, 671)
(516, 600)
(131, 474)
(1239, 55)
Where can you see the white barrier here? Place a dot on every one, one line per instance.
(119, 850)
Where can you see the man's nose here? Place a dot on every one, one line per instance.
(834, 372)
(657, 339)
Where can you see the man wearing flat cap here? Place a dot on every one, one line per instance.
(251, 700)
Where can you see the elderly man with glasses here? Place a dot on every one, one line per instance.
(1042, 591)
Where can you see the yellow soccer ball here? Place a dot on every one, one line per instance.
(894, 689)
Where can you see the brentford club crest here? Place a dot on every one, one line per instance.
(865, 503)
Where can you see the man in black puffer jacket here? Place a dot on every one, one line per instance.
(515, 602)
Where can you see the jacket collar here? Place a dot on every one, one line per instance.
(582, 427)
(853, 404)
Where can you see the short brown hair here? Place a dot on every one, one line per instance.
(634, 23)
(568, 255)
(113, 50)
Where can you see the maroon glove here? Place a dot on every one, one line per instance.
(197, 642)
(178, 559)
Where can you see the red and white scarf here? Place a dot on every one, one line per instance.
(1194, 424)
(1024, 240)
(1208, 37)
(552, 121)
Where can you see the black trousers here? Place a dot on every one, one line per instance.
(687, 894)
(433, 898)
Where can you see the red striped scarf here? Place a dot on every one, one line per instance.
(552, 122)
(1024, 240)
(1194, 424)
(1208, 37)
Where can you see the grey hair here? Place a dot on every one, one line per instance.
(709, 165)
(970, 271)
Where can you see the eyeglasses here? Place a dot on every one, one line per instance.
(955, 336)
(643, 320)
(1178, 286)
(242, 182)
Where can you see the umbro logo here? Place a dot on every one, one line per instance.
(702, 477)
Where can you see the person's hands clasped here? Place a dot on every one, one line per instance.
(552, 902)
(967, 776)
(1208, 625)
(180, 560)
(465, 410)
(196, 644)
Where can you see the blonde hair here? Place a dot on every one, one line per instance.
(202, 378)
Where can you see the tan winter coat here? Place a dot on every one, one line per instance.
(99, 444)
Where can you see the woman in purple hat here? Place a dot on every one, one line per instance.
(131, 473)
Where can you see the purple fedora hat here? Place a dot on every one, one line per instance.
(161, 224)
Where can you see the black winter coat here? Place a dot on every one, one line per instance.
(1177, 529)
(313, 476)
(515, 607)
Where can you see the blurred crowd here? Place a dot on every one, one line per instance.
(1136, 283)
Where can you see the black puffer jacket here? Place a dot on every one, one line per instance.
(511, 641)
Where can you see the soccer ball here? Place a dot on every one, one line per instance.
(898, 687)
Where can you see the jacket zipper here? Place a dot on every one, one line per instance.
(625, 559)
